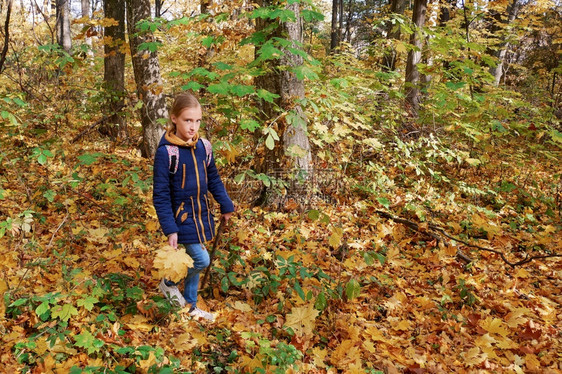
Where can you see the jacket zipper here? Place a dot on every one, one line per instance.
(198, 193)
(194, 220)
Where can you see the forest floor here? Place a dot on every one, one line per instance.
(330, 287)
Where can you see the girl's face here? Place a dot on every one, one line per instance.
(187, 123)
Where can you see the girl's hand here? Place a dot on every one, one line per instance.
(173, 240)
(227, 216)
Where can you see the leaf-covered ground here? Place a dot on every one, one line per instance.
(325, 287)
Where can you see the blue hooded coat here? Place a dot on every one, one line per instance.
(180, 198)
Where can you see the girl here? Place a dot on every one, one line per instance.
(184, 171)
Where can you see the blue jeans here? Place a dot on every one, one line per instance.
(200, 258)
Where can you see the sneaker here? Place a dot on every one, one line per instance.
(172, 293)
(198, 313)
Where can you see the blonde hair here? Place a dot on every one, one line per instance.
(182, 101)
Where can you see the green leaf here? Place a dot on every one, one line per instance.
(208, 41)
(321, 303)
(88, 302)
(311, 16)
(284, 15)
(222, 66)
(42, 159)
(268, 51)
(89, 158)
(222, 88)
(87, 341)
(352, 289)
(193, 86)
(299, 291)
(556, 135)
(151, 46)
(266, 95)
(380, 257)
(242, 90)
(249, 124)
(455, 85)
(303, 72)
(269, 142)
(384, 202)
(63, 312)
(313, 214)
(202, 72)
(49, 195)
(42, 308)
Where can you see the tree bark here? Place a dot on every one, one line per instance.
(147, 77)
(292, 151)
(6, 36)
(114, 68)
(414, 57)
(63, 24)
(498, 70)
(393, 33)
(334, 42)
(292, 90)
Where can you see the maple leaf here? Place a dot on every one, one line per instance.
(302, 319)
(172, 264)
(473, 356)
(63, 312)
(494, 326)
(86, 340)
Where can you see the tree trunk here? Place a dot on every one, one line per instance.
(292, 151)
(498, 70)
(114, 68)
(158, 8)
(85, 5)
(295, 137)
(147, 77)
(63, 24)
(393, 33)
(334, 42)
(414, 57)
(340, 27)
(6, 36)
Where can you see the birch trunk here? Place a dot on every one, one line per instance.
(63, 24)
(147, 77)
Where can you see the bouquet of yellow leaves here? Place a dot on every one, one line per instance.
(172, 264)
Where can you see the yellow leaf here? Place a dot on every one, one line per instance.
(146, 364)
(98, 235)
(473, 357)
(515, 318)
(532, 363)
(302, 319)
(400, 47)
(137, 322)
(243, 307)
(494, 326)
(184, 342)
(172, 264)
(335, 238)
(319, 356)
(404, 325)
(152, 226)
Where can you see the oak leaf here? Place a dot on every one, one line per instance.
(172, 264)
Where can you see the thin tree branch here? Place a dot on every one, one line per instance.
(414, 226)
